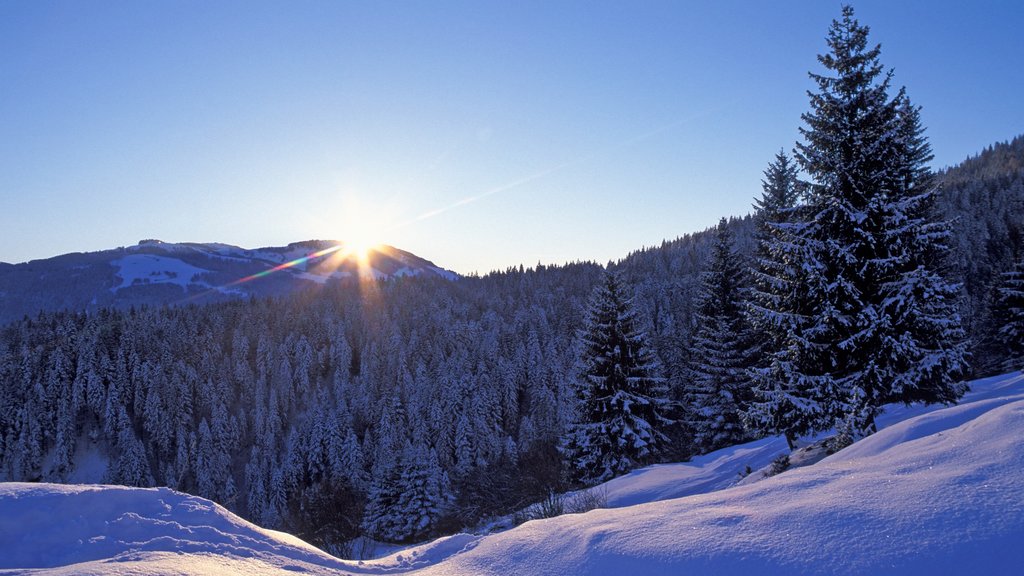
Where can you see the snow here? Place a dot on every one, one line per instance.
(446, 274)
(152, 269)
(715, 471)
(321, 278)
(98, 523)
(90, 463)
(937, 491)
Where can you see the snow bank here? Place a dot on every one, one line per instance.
(940, 492)
(53, 525)
(947, 499)
(715, 471)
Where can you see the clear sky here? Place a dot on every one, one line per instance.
(476, 134)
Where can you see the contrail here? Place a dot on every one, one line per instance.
(491, 192)
(559, 167)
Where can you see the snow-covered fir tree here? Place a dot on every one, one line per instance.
(380, 519)
(771, 269)
(621, 418)
(722, 350)
(779, 297)
(407, 496)
(919, 343)
(423, 493)
(871, 321)
(132, 466)
(1008, 313)
(783, 402)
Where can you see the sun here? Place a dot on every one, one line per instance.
(361, 246)
(360, 228)
(360, 240)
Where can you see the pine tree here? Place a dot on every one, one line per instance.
(772, 273)
(920, 345)
(421, 494)
(132, 467)
(779, 299)
(722, 350)
(1008, 313)
(407, 496)
(621, 418)
(870, 319)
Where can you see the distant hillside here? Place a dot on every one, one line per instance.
(984, 197)
(155, 273)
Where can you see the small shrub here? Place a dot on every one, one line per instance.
(842, 439)
(745, 472)
(587, 500)
(551, 506)
(778, 466)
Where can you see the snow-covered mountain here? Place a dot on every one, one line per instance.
(937, 491)
(154, 272)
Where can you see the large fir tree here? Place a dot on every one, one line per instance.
(621, 417)
(871, 319)
(722, 350)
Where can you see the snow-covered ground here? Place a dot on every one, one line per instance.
(938, 491)
(152, 269)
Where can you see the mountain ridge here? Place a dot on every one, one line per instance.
(154, 272)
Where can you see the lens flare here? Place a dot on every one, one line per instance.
(286, 265)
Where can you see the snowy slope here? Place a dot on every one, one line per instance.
(151, 269)
(715, 471)
(939, 492)
(103, 522)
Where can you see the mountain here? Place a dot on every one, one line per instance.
(154, 272)
(936, 491)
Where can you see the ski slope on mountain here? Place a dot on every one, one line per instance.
(938, 491)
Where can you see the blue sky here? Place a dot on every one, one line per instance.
(477, 134)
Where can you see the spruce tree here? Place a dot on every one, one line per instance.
(1008, 314)
(722, 350)
(847, 136)
(870, 320)
(621, 417)
(782, 402)
(771, 271)
(408, 497)
(380, 518)
(422, 496)
(919, 341)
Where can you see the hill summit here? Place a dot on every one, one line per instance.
(154, 272)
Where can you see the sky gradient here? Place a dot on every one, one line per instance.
(479, 135)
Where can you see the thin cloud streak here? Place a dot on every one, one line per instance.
(628, 142)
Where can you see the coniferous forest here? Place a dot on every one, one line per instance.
(411, 407)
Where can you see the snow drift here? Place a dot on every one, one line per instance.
(940, 492)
